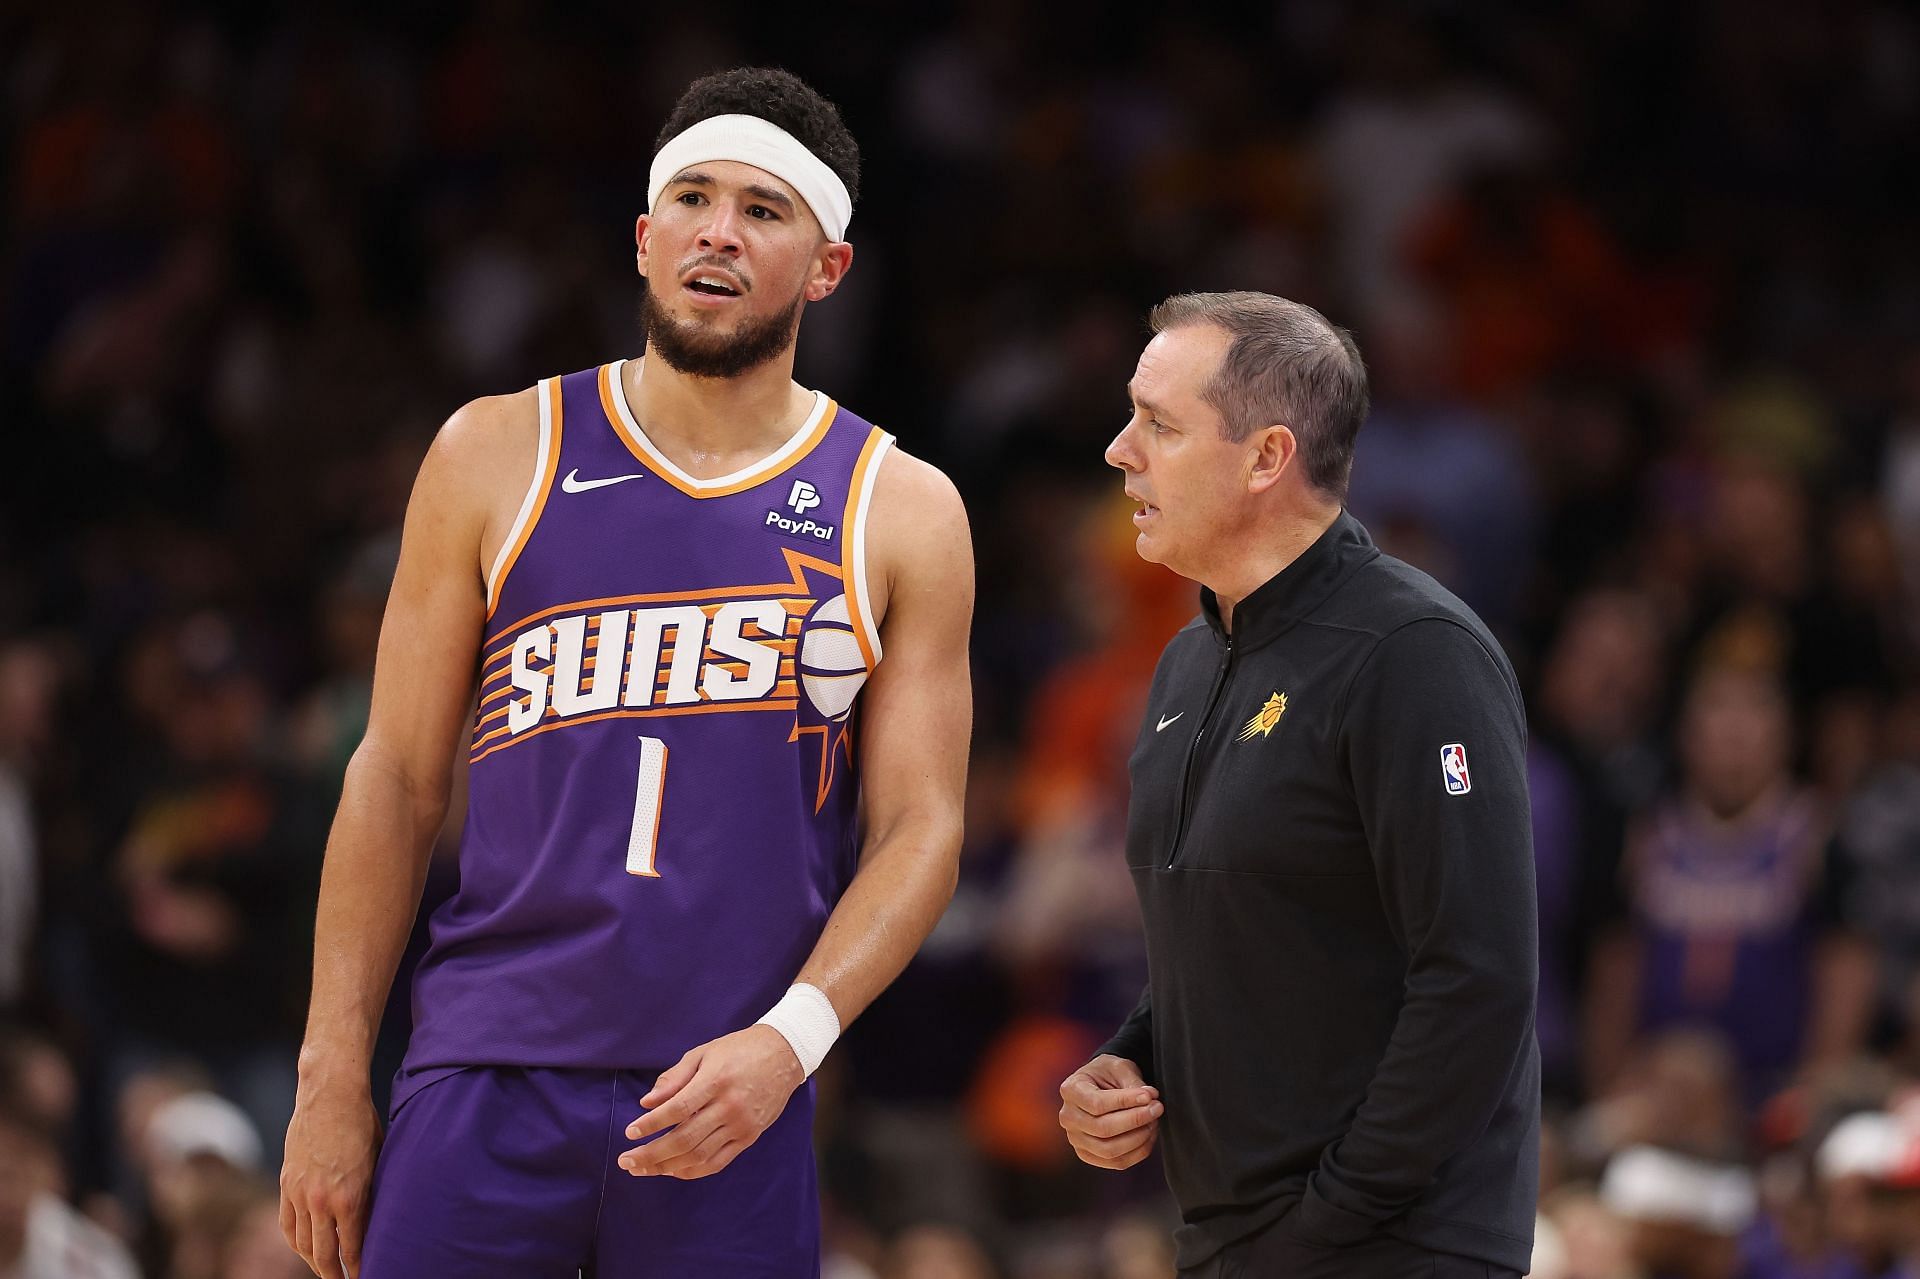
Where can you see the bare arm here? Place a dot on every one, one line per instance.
(915, 725)
(391, 807)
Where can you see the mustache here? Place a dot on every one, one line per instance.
(718, 265)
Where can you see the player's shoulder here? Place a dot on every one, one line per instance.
(490, 423)
(910, 492)
(917, 528)
(484, 439)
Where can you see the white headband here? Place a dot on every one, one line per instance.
(764, 145)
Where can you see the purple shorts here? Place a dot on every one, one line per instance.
(495, 1171)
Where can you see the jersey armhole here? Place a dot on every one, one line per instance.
(546, 462)
(854, 567)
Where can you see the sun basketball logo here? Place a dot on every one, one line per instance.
(831, 667)
(1265, 718)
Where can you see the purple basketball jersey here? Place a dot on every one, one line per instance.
(663, 792)
(1726, 916)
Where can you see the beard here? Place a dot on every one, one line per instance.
(699, 351)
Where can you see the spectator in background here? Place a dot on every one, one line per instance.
(1854, 640)
(1592, 757)
(200, 956)
(1877, 870)
(1602, 686)
(1598, 1244)
(36, 1074)
(1869, 1187)
(1684, 1215)
(202, 1164)
(27, 685)
(1680, 1092)
(1411, 124)
(41, 1235)
(1433, 464)
(1526, 281)
(1730, 927)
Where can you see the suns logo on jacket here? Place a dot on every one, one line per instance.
(1265, 718)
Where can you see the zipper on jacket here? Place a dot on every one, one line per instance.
(1193, 751)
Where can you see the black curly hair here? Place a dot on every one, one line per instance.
(778, 97)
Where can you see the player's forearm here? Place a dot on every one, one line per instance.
(906, 878)
(370, 886)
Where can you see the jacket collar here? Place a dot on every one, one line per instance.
(1299, 588)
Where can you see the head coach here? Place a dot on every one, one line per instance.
(1329, 834)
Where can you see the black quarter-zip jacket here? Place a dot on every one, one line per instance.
(1330, 837)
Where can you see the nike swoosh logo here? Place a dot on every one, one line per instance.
(1161, 727)
(574, 484)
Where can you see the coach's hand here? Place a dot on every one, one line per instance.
(718, 1099)
(327, 1179)
(1110, 1113)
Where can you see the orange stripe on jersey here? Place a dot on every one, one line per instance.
(796, 565)
(708, 708)
(648, 455)
(540, 504)
(851, 573)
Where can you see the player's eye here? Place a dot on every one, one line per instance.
(762, 212)
(688, 198)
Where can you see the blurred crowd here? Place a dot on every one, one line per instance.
(1640, 294)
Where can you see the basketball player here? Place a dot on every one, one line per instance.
(719, 626)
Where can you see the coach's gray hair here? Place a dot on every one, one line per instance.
(1285, 366)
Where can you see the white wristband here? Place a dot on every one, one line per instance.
(806, 1020)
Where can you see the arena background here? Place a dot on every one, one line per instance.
(1639, 285)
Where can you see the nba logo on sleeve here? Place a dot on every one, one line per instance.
(1453, 768)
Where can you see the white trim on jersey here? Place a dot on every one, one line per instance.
(857, 544)
(767, 467)
(532, 500)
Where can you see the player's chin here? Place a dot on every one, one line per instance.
(707, 317)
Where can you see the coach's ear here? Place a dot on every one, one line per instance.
(642, 241)
(1270, 451)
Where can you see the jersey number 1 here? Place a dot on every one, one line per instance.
(646, 808)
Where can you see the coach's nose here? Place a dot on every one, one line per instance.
(1123, 453)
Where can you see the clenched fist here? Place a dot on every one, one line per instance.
(1111, 1114)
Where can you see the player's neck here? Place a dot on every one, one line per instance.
(692, 418)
